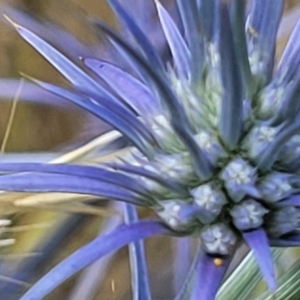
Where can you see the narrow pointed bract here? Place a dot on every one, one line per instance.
(137, 33)
(241, 52)
(262, 29)
(101, 174)
(231, 118)
(134, 92)
(208, 135)
(258, 243)
(119, 121)
(180, 52)
(206, 17)
(189, 16)
(43, 183)
(210, 273)
(91, 252)
(289, 61)
(139, 269)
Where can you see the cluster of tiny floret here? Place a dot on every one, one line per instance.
(239, 196)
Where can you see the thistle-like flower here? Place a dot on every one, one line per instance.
(213, 135)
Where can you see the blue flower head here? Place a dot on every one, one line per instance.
(211, 131)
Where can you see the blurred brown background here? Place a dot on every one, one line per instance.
(37, 128)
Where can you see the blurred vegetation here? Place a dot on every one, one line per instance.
(40, 128)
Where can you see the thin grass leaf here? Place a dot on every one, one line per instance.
(241, 283)
(288, 285)
(30, 92)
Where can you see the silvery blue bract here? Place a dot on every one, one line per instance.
(213, 132)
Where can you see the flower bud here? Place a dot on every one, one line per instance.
(258, 139)
(290, 154)
(177, 214)
(283, 221)
(218, 239)
(248, 215)
(210, 201)
(209, 143)
(165, 134)
(239, 177)
(275, 186)
(270, 101)
(177, 166)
